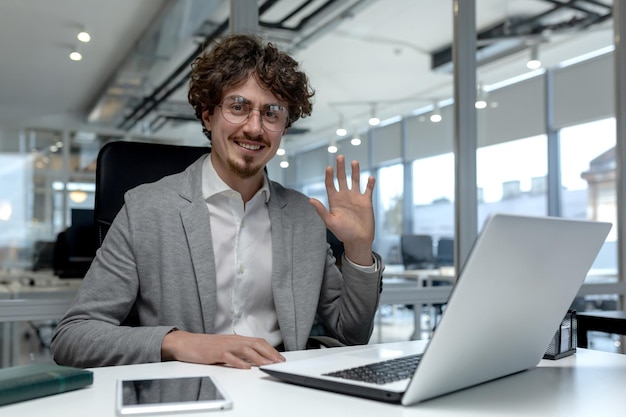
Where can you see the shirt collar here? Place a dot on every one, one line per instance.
(212, 184)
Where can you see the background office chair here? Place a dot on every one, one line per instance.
(125, 165)
(418, 253)
(445, 252)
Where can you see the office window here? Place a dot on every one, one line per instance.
(589, 185)
(512, 177)
(588, 171)
(389, 215)
(16, 177)
(433, 196)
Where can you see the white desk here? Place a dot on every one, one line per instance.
(589, 383)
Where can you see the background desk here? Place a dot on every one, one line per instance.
(413, 287)
(28, 297)
(589, 383)
(601, 321)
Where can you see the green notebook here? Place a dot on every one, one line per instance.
(25, 382)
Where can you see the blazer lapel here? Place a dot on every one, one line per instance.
(197, 226)
(282, 269)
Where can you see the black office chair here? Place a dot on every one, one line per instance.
(124, 165)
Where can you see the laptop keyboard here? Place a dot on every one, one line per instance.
(381, 372)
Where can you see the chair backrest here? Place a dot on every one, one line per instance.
(445, 251)
(124, 165)
(417, 251)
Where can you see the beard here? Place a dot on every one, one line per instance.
(244, 167)
(243, 170)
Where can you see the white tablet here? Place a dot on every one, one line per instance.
(160, 395)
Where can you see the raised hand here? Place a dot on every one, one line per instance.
(350, 215)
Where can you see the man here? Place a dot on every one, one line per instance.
(218, 264)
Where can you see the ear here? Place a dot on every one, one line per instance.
(206, 118)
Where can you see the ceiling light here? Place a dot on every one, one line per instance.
(284, 162)
(374, 120)
(534, 62)
(76, 56)
(435, 117)
(481, 97)
(355, 141)
(332, 148)
(341, 130)
(78, 196)
(83, 36)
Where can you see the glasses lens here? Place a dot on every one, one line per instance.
(274, 117)
(237, 110)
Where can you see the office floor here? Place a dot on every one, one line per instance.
(393, 323)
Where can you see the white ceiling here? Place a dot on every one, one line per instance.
(360, 53)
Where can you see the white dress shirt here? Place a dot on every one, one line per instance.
(242, 247)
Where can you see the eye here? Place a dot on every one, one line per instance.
(238, 108)
(272, 112)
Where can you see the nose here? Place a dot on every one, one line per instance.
(254, 124)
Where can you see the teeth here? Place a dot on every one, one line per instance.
(250, 147)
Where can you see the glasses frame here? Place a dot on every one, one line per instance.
(246, 102)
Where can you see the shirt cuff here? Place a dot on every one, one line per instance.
(372, 268)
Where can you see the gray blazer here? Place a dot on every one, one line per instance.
(156, 266)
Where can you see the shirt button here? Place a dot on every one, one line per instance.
(241, 269)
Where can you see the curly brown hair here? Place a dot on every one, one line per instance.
(237, 57)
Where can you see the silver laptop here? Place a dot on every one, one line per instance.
(509, 300)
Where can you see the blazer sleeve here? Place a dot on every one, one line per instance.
(349, 301)
(91, 333)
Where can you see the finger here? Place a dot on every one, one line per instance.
(329, 181)
(320, 208)
(261, 353)
(235, 362)
(369, 189)
(356, 176)
(341, 172)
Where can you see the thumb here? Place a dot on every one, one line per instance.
(320, 208)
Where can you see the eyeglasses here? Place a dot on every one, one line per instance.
(237, 109)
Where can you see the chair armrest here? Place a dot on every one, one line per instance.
(319, 342)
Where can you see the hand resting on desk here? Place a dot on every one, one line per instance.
(234, 350)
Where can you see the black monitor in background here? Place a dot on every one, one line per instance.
(76, 246)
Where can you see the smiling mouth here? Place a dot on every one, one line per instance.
(249, 146)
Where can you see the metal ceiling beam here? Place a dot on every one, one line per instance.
(513, 34)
